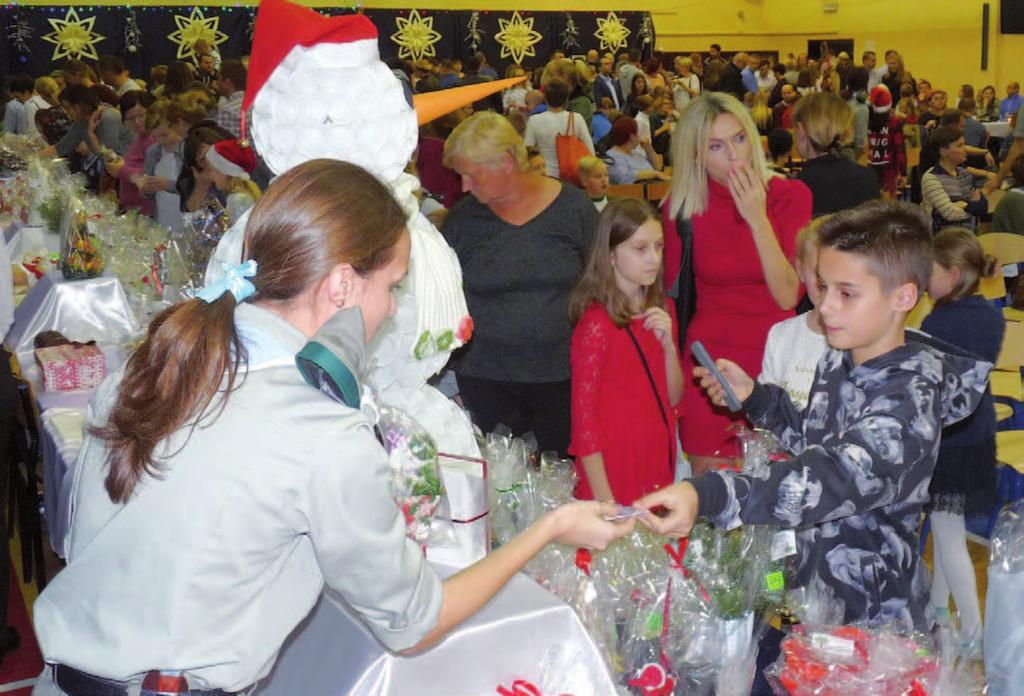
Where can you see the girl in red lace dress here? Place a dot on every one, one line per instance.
(626, 376)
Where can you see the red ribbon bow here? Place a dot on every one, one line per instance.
(583, 559)
(653, 680)
(520, 687)
(677, 554)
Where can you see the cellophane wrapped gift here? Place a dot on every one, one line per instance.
(135, 250)
(760, 449)
(80, 254)
(855, 661)
(465, 515)
(415, 476)
(1004, 604)
(44, 176)
(664, 624)
(960, 671)
(71, 366)
(52, 185)
(508, 484)
(14, 199)
(198, 238)
(815, 605)
(736, 570)
(666, 643)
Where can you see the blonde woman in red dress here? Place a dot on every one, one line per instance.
(745, 219)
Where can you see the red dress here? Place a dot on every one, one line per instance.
(613, 407)
(735, 309)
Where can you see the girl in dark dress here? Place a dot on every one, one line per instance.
(964, 478)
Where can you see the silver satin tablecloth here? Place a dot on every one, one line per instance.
(525, 632)
(83, 310)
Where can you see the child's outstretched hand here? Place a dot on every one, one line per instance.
(739, 380)
(681, 503)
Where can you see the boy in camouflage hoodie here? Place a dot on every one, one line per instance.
(865, 448)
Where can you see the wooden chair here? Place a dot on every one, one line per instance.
(1003, 411)
(627, 191)
(1006, 385)
(657, 191)
(1008, 248)
(993, 288)
(1006, 382)
(1011, 314)
(24, 479)
(1011, 353)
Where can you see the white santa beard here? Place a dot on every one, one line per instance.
(337, 101)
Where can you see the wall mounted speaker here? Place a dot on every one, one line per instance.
(984, 35)
(1011, 16)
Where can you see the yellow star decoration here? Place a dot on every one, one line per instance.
(517, 37)
(415, 36)
(612, 32)
(73, 37)
(192, 28)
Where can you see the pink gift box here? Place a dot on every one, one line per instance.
(69, 367)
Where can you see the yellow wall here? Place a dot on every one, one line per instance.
(939, 39)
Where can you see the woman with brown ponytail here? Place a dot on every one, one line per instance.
(217, 492)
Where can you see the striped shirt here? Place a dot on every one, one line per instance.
(941, 191)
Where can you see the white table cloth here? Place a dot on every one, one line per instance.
(23, 238)
(525, 633)
(997, 129)
(83, 310)
(60, 439)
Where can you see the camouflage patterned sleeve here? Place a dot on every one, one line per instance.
(882, 455)
(770, 407)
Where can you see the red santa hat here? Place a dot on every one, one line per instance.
(881, 99)
(232, 158)
(281, 26)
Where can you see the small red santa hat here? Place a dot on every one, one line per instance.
(881, 99)
(232, 158)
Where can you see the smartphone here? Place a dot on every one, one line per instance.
(701, 353)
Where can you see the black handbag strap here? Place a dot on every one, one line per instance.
(657, 396)
(684, 291)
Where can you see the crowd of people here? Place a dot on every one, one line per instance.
(781, 247)
(770, 163)
(166, 146)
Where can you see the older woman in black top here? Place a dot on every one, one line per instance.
(522, 239)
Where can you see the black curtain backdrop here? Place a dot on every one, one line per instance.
(26, 51)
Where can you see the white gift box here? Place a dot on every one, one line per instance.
(463, 520)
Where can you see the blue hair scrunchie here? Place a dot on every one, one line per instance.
(234, 281)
